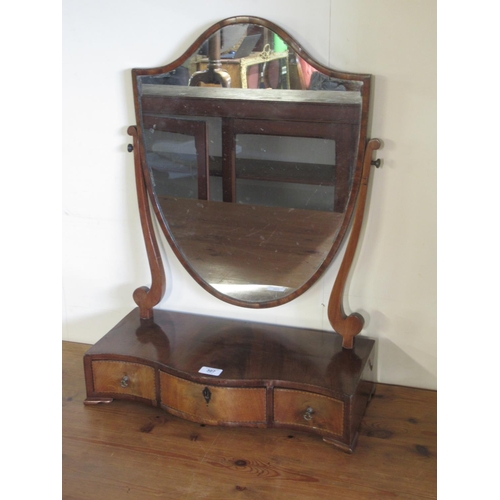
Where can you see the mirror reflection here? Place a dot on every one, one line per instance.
(251, 153)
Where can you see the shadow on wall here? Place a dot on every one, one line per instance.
(395, 364)
(411, 362)
(90, 329)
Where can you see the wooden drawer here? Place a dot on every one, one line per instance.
(226, 404)
(119, 377)
(305, 409)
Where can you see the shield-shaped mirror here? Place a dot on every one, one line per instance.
(252, 155)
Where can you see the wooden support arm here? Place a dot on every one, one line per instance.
(146, 298)
(350, 326)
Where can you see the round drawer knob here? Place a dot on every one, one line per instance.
(124, 381)
(308, 413)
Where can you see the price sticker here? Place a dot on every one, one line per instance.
(210, 371)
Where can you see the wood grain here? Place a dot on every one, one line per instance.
(147, 297)
(108, 377)
(290, 406)
(251, 244)
(126, 450)
(350, 325)
(342, 98)
(227, 405)
(250, 354)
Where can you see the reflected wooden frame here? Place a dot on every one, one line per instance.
(196, 129)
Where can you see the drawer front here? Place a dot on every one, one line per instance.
(308, 410)
(212, 404)
(119, 377)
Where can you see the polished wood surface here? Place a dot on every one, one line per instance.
(118, 377)
(247, 352)
(147, 297)
(251, 244)
(350, 326)
(320, 411)
(341, 99)
(126, 450)
(326, 388)
(224, 405)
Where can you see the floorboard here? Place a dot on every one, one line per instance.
(126, 450)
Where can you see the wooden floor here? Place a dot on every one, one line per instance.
(130, 451)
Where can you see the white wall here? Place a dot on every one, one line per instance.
(393, 281)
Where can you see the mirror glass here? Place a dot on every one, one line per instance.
(250, 152)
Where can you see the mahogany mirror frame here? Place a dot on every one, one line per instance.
(147, 297)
